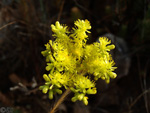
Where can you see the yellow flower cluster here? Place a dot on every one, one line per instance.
(71, 62)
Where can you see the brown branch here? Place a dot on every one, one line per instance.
(60, 101)
(7, 25)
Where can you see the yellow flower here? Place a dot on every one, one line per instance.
(104, 44)
(71, 62)
(80, 30)
(83, 25)
(57, 28)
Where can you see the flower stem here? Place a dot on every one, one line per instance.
(60, 100)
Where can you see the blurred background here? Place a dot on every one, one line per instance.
(25, 28)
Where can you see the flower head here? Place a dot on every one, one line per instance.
(71, 62)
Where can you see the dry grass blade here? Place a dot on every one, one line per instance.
(7, 25)
(135, 101)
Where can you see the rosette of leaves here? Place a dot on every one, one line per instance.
(71, 62)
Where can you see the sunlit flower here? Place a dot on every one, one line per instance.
(71, 62)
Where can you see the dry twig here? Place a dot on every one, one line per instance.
(60, 101)
(7, 25)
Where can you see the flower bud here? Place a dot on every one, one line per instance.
(111, 47)
(113, 75)
(51, 58)
(74, 99)
(58, 25)
(80, 96)
(59, 91)
(51, 87)
(45, 89)
(49, 67)
(50, 95)
(85, 101)
(103, 78)
(107, 81)
(58, 85)
(46, 78)
(53, 28)
(41, 87)
(74, 90)
(96, 73)
(92, 91)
